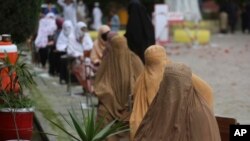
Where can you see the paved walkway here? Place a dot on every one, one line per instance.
(53, 100)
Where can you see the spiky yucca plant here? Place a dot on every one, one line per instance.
(88, 129)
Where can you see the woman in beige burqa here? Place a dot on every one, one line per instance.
(115, 80)
(178, 112)
(148, 83)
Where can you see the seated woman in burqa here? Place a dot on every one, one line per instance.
(178, 112)
(114, 82)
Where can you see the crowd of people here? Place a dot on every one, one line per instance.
(135, 81)
(62, 36)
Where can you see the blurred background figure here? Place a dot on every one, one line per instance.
(83, 38)
(46, 29)
(140, 30)
(232, 15)
(49, 7)
(61, 47)
(97, 17)
(54, 55)
(243, 15)
(223, 17)
(82, 12)
(69, 10)
(114, 20)
(248, 16)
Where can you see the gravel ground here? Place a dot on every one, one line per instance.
(224, 64)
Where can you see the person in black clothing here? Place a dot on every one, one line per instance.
(51, 46)
(244, 22)
(233, 16)
(54, 55)
(139, 30)
(248, 16)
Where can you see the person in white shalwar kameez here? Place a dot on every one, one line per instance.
(47, 26)
(83, 35)
(97, 17)
(69, 10)
(63, 39)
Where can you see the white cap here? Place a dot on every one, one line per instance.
(96, 3)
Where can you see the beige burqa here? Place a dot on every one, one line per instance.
(147, 84)
(99, 45)
(178, 112)
(115, 80)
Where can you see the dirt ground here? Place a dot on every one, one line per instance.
(225, 65)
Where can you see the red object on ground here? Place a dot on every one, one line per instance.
(9, 49)
(24, 123)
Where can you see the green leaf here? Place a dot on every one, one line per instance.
(78, 128)
(88, 129)
(64, 130)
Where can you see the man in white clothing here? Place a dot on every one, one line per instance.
(97, 16)
(69, 10)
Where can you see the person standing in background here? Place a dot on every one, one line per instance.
(248, 16)
(69, 10)
(140, 30)
(97, 17)
(114, 22)
(244, 22)
(50, 8)
(82, 12)
(223, 17)
(232, 15)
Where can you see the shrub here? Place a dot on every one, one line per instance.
(19, 18)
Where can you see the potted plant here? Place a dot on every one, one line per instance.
(16, 108)
(87, 128)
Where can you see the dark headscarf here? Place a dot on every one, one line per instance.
(178, 112)
(139, 30)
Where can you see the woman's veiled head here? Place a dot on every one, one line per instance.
(103, 32)
(59, 23)
(177, 69)
(118, 42)
(67, 28)
(103, 29)
(135, 6)
(80, 30)
(154, 55)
